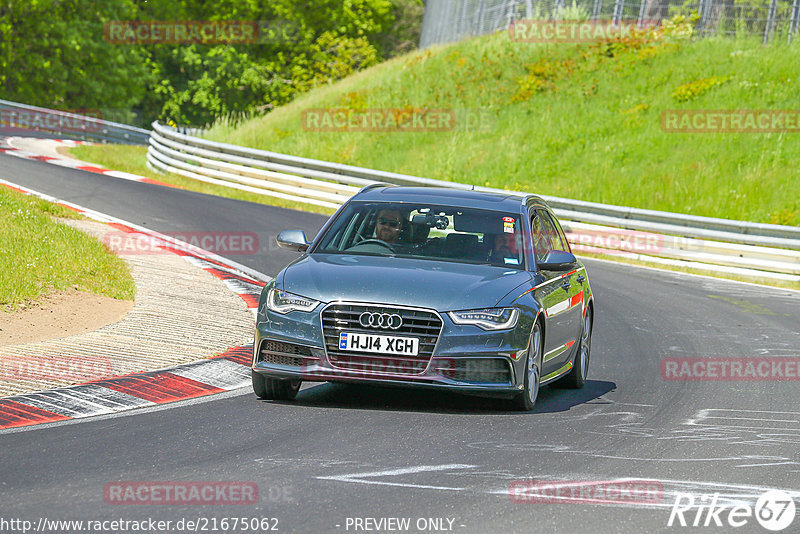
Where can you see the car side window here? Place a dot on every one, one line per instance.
(541, 246)
(563, 236)
(545, 236)
(557, 239)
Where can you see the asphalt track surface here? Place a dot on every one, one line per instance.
(339, 453)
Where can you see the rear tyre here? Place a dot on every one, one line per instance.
(526, 400)
(576, 378)
(268, 388)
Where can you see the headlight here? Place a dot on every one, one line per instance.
(488, 318)
(284, 302)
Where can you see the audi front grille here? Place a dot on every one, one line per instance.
(422, 324)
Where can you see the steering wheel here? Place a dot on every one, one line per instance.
(376, 242)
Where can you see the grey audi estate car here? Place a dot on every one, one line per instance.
(473, 291)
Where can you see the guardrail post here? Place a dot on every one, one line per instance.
(598, 6)
(795, 20)
(773, 5)
(701, 9)
(558, 6)
(642, 9)
(619, 5)
(511, 7)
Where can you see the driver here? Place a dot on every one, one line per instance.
(389, 225)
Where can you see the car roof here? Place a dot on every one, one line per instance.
(489, 200)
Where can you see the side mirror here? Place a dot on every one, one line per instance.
(293, 240)
(558, 260)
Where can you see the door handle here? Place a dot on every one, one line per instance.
(565, 286)
(580, 279)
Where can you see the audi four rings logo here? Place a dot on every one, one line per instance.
(380, 320)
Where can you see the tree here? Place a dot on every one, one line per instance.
(53, 55)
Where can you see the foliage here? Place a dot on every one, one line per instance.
(540, 78)
(403, 34)
(691, 90)
(50, 55)
(560, 12)
(680, 25)
(53, 53)
(312, 43)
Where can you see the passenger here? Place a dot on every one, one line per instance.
(505, 250)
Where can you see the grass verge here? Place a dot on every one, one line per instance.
(38, 254)
(580, 121)
(133, 159)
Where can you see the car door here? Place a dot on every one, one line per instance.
(549, 294)
(576, 280)
(560, 297)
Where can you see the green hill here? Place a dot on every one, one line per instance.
(574, 120)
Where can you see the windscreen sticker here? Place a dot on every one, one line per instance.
(511, 261)
(508, 225)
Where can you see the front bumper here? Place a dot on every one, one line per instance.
(465, 358)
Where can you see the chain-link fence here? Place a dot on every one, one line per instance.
(452, 20)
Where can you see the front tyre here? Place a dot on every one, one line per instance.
(268, 388)
(532, 377)
(576, 378)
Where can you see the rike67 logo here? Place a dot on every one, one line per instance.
(774, 511)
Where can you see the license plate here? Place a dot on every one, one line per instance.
(401, 346)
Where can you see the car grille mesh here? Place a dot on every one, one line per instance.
(278, 352)
(421, 324)
(477, 370)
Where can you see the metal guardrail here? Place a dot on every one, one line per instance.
(767, 250)
(22, 119)
(772, 250)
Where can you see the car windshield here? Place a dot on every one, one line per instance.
(426, 231)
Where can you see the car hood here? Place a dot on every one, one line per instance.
(440, 285)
